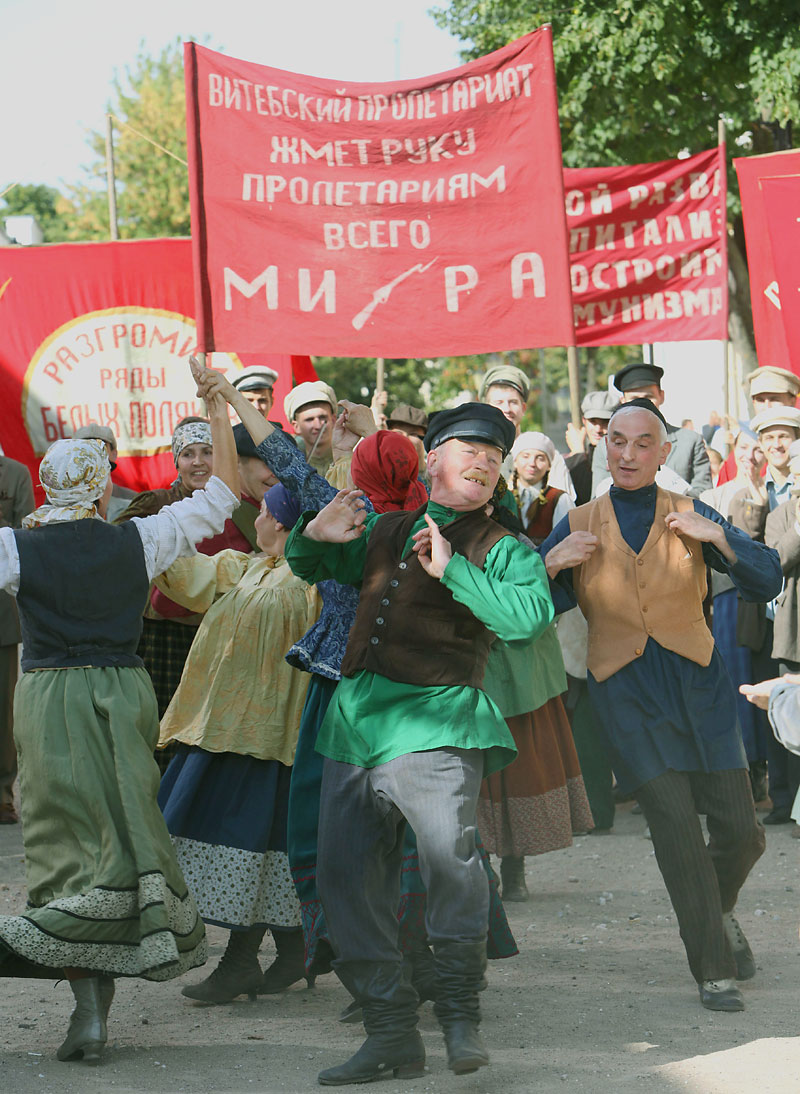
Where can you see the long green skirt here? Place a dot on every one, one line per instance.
(104, 889)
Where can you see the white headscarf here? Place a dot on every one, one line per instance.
(190, 433)
(558, 475)
(74, 474)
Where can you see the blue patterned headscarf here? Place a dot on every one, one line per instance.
(283, 506)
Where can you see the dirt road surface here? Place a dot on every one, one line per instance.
(599, 1001)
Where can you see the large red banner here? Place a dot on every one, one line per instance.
(781, 197)
(409, 219)
(102, 332)
(772, 346)
(648, 251)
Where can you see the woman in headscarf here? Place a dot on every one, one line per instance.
(386, 467)
(235, 719)
(105, 895)
(169, 628)
(542, 500)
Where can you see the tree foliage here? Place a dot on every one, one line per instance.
(152, 187)
(647, 80)
(643, 80)
(45, 203)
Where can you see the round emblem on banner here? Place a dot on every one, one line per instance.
(126, 368)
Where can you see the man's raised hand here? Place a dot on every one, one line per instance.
(341, 520)
(433, 550)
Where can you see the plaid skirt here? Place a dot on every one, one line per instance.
(164, 647)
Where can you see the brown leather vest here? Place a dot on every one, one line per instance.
(408, 626)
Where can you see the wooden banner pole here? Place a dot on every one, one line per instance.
(111, 184)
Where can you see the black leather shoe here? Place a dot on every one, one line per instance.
(721, 995)
(778, 816)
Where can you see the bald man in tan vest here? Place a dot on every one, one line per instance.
(635, 561)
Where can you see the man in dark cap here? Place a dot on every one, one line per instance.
(687, 452)
(596, 410)
(635, 561)
(409, 734)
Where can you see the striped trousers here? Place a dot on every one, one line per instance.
(703, 881)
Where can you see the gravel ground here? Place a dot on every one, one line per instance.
(599, 1000)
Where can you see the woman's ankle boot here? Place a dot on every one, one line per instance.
(238, 972)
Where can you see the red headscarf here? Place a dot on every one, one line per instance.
(386, 468)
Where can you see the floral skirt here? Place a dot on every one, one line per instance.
(105, 892)
(537, 802)
(227, 816)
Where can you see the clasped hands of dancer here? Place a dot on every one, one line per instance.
(578, 547)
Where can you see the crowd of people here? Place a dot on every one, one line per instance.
(314, 684)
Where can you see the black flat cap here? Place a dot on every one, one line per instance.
(637, 374)
(470, 422)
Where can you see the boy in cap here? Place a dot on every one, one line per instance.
(414, 423)
(256, 383)
(507, 388)
(687, 452)
(409, 734)
(635, 562)
(311, 409)
(596, 409)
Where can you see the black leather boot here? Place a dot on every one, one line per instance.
(289, 966)
(389, 1006)
(459, 972)
(512, 874)
(238, 972)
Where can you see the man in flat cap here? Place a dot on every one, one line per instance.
(414, 423)
(635, 561)
(507, 388)
(311, 409)
(409, 734)
(778, 427)
(770, 386)
(687, 452)
(121, 496)
(596, 410)
(256, 383)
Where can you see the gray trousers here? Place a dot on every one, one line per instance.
(363, 812)
(8, 751)
(703, 881)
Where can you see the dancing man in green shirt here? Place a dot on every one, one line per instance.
(409, 733)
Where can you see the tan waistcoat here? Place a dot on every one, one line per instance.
(628, 598)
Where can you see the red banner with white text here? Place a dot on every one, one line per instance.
(648, 251)
(781, 197)
(102, 332)
(410, 219)
(766, 296)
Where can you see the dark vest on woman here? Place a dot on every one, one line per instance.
(541, 525)
(83, 585)
(408, 626)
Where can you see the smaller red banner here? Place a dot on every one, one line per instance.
(648, 251)
(781, 197)
(772, 345)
